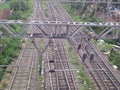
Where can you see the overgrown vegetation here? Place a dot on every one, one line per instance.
(10, 51)
(78, 14)
(110, 41)
(74, 13)
(45, 8)
(21, 9)
(11, 46)
(105, 47)
(4, 5)
(115, 57)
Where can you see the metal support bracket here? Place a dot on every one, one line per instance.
(40, 53)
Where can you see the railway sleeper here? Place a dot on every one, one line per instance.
(19, 88)
(24, 70)
(51, 61)
(61, 78)
(22, 77)
(62, 83)
(63, 88)
(20, 82)
(59, 68)
(22, 74)
(52, 70)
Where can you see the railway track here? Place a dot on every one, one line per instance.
(24, 75)
(100, 72)
(59, 69)
(59, 72)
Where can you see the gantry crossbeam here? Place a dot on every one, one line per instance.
(62, 29)
(111, 24)
(89, 1)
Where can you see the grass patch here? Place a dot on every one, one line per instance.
(115, 58)
(74, 13)
(28, 13)
(41, 79)
(110, 41)
(44, 6)
(10, 50)
(105, 47)
(21, 13)
(4, 6)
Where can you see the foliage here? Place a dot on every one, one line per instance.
(4, 5)
(110, 41)
(115, 58)
(17, 5)
(105, 47)
(87, 82)
(21, 9)
(76, 6)
(1, 73)
(74, 13)
(11, 46)
(10, 51)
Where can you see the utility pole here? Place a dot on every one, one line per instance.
(19, 9)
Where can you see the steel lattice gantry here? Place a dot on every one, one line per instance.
(62, 29)
(91, 1)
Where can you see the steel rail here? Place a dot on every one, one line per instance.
(94, 66)
(18, 63)
(66, 55)
(50, 67)
(87, 66)
(51, 83)
(58, 53)
(92, 74)
(107, 75)
(48, 54)
(31, 71)
(102, 63)
(17, 69)
(53, 10)
(69, 65)
(62, 10)
(58, 18)
(27, 48)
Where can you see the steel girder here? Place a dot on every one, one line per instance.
(62, 29)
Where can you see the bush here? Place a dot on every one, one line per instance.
(15, 5)
(110, 41)
(1, 73)
(9, 52)
(115, 58)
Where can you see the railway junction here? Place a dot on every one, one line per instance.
(44, 54)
